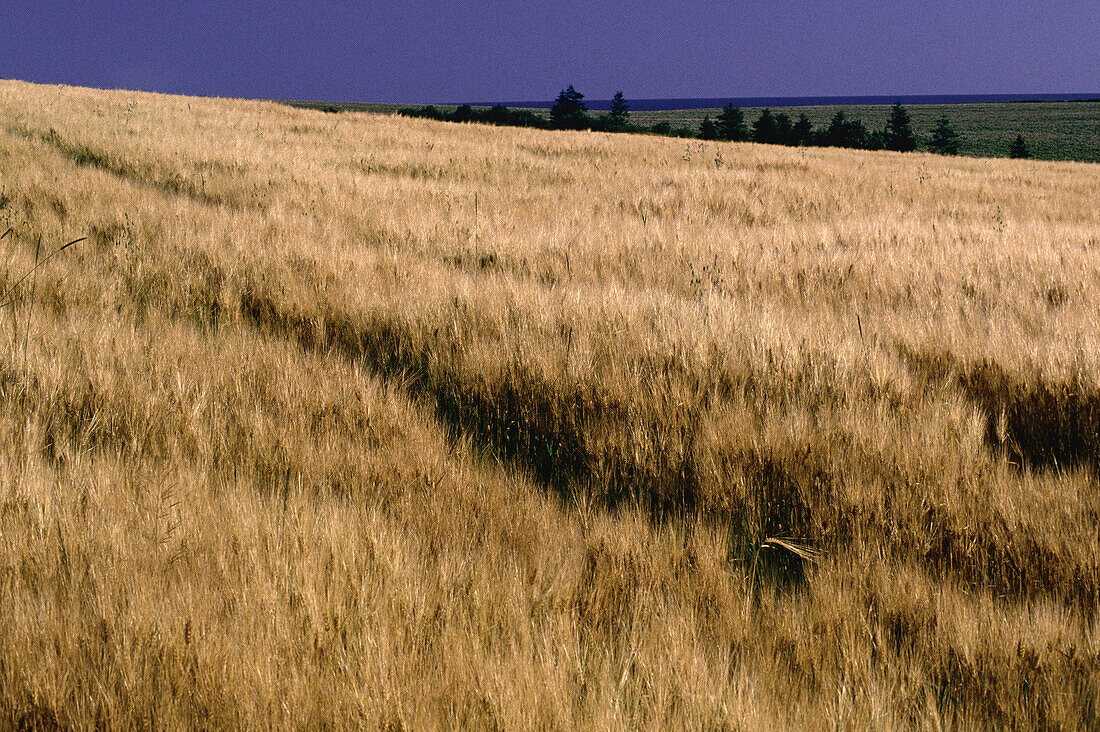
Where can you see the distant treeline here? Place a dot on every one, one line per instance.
(777, 128)
(498, 115)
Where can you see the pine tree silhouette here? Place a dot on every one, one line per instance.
(844, 132)
(944, 140)
(708, 130)
(898, 134)
(569, 111)
(1019, 148)
(803, 131)
(619, 108)
(731, 124)
(765, 129)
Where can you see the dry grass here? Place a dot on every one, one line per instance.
(353, 420)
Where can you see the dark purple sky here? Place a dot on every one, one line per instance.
(445, 50)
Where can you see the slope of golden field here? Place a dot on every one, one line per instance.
(356, 420)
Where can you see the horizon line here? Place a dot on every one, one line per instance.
(671, 103)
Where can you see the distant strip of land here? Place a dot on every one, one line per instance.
(652, 105)
(1054, 130)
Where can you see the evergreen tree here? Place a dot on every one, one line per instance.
(944, 140)
(833, 135)
(843, 132)
(617, 119)
(620, 110)
(858, 135)
(898, 134)
(764, 129)
(784, 129)
(465, 113)
(569, 111)
(803, 131)
(708, 130)
(1019, 148)
(731, 124)
(876, 140)
(430, 111)
(499, 115)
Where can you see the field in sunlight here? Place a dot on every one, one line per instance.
(358, 420)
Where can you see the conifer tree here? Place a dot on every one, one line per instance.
(764, 129)
(465, 113)
(1019, 148)
(784, 129)
(569, 111)
(833, 135)
(803, 131)
(620, 110)
(617, 119)
(844, 132)
(708, 130)
(731, 124)
(898, 134)
(944, 140)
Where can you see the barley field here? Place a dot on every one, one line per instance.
(358, 421)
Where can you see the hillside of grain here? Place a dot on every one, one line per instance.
(357, 420)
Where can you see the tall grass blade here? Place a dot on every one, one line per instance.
(8, 300)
